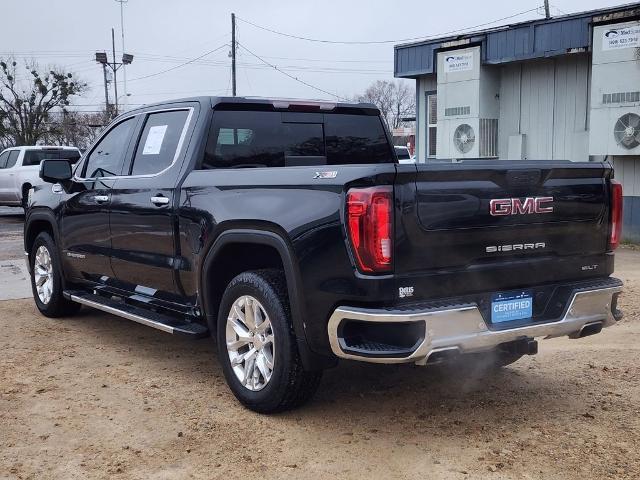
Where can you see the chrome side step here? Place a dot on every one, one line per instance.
(155, 320)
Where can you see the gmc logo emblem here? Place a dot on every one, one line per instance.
(515, 206)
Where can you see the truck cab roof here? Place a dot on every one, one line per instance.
(41, 147)
(268, 103)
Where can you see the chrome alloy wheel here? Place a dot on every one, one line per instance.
(250, 343)
(43, 274)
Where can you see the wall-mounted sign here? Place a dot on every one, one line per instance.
(615, 38)
(461, 62)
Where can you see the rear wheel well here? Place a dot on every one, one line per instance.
(230, 261)
(34, 229)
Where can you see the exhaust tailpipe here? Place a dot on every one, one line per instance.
(590, 329)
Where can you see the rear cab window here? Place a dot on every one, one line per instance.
(246, 139)
(34, 157)
(402, 153)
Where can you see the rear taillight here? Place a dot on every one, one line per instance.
(370, 227)
(616, 214)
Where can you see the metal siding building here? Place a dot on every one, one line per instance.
(543, 89)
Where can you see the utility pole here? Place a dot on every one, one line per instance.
(124, 68)
(233, 54)
(106, 89)
(115, 78)
(547, 14)
(102, 57)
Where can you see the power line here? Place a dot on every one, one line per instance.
(96, 104)
(187, 92)
(225, 63)
(327, 61)
(179, 66)
(312, 68)
(289, 75)
(562, 12)
(379, 42)
(208, 42)
(154, 57)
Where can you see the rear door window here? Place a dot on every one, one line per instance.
(13, 158)
(242, 139)
(159, 142)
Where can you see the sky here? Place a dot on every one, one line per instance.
(165, 34)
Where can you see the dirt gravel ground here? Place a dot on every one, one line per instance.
(11, 225)
(95, 396)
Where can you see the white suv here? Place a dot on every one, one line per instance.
(19, 170)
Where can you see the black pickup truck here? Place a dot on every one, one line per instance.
(289, 232)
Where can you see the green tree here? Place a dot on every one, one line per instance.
(27, 102)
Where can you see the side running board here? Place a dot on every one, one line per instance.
(156, 320)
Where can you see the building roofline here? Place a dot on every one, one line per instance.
(528, 40)
(537, 21)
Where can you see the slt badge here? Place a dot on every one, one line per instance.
(326, 174)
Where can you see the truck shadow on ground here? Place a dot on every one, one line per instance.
(372, 392)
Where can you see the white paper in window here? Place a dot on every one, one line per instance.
(154, 140)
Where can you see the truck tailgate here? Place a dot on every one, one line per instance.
(549, 221)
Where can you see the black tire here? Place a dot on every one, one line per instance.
(290, 385)
(57, 305)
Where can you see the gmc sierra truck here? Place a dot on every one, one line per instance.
(289, 232)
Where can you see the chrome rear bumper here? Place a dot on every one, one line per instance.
(462, 328)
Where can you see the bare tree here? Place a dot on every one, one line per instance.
(26, 103)
(77, 129)
(395, 99)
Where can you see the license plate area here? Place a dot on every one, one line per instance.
(511, 306)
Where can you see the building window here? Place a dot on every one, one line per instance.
(621, 97)
(457, 111)
(432, 124)
(488, 137)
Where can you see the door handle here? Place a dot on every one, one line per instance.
(101, 198)
(160, 200)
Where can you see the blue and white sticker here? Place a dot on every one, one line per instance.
(461, 62)
(512, 307)
(617, 38)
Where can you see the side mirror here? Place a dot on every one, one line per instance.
(55, 171)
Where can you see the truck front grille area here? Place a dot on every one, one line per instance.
(381, 339)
